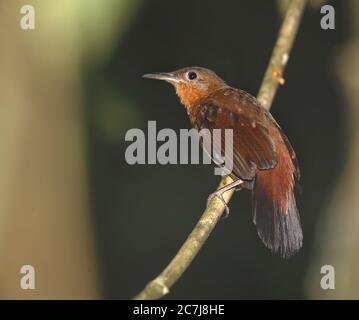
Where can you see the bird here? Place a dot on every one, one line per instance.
(264, 160)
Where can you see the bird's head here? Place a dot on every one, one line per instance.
(191, 84)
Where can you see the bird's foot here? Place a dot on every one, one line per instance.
(219, 194)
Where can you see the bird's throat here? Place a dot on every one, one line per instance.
(189, 96)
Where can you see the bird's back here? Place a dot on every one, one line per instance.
(263, 157)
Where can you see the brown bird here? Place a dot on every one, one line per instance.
(263, 158)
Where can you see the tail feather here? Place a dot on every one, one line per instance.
(276, 215)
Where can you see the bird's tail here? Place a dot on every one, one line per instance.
(275, 211)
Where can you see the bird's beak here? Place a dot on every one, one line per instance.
(169, 77)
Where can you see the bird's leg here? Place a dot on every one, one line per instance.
(219, 194)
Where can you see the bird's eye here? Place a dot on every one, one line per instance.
(191, 75)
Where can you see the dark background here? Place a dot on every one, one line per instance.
(143, 213)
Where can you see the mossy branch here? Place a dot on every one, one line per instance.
(161, 285)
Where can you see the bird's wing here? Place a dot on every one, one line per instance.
(253, 147)
(290, 149)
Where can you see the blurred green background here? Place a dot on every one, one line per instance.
(94, 226)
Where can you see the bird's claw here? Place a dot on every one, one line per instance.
(219, 195)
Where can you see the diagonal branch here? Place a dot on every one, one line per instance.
(161, 285)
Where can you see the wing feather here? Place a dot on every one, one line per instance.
(253, 147)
